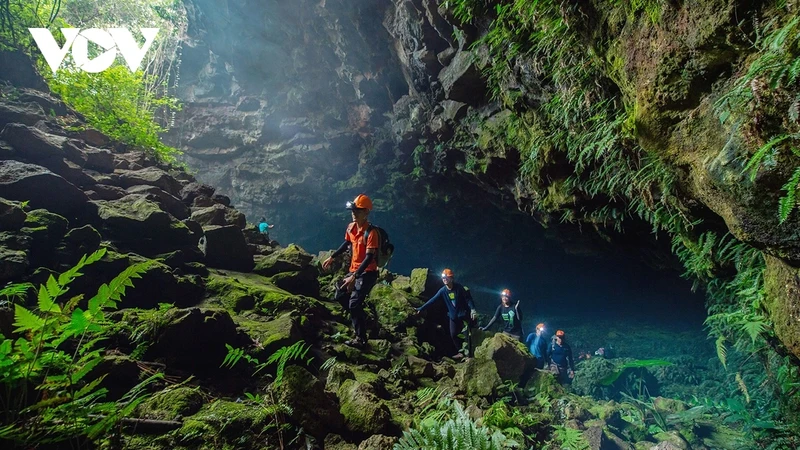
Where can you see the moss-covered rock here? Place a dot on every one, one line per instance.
(312, 408)
(378, 442)
(227, 419)
(782, 285)
(337, 375)
(424, 283)
(45, 227)
(290, 259)
(336, 442)
(393, 306)
(363, 411)
(303, 282)
(11, 215)
(270, 336)
(194, 339)
(241, 291)
(171, 404)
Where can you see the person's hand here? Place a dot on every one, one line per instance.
(327, 263)
(482, 328)
(417, 312)
(572, 374)
(473, 314)
(349, 282)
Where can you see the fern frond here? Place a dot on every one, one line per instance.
(722, 351)
(789, 201)
(742, 387)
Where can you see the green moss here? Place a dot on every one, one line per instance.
(241, 291)
(172, 403)
(393, 306)
(363, 411)
(229, 419)
(273, 334)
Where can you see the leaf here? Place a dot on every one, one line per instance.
(26, 320)
(755, 161)
(46, 303)
(754, 329)
(722, 351)
(53, 288)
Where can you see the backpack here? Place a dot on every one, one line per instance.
(385, 247)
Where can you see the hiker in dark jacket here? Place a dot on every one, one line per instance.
(537, 343)
(560, 356)
(460, 307)
(512, 318)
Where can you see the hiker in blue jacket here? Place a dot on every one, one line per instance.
(538, 345)
(460, 307)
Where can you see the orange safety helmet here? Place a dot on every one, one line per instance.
(360, 202)
(541, 327)
(447, 273)
(560, 333)
(506, 293)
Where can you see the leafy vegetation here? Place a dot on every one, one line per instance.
(456, 433)
(56, 349)
(581, 161)
(130, 107)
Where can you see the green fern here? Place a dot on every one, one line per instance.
(722, 351)
(570, 438)
(457, 433)
(789, 201)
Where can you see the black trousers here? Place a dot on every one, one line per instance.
(456, 328)
(361, 289)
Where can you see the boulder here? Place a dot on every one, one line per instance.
(27, 114)
(782, 286)
(424, 283)
(462, 81)
(91, 158)
(51, 105)
(81, 241)
(33, 144)
(41, 188)
(378, 442)
(217, 214)
(171, 404)
(225, 248)
(314, 409)
(269, 336)
(336, 442)
(11, 216)
(194, 339)
(13, 264)
(303, 282)
(140, 224)
(193, 190)
(393, 306)
(151, 176)
(221, 199)
(168, 202)
(363, 411)
(290, 259)
(108, 192)
(496, 360)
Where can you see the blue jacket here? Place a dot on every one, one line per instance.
(538, 345)
(458, 301)
(561, 355)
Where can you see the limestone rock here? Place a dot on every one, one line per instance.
(363, 411)
(314, 409)
(225, 248)
(41, 187)
(218, 214)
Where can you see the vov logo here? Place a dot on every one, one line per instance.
(111, 39)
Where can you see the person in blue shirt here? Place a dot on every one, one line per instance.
(538, 345)
(560, 356)
(460, 307)
(264, 227)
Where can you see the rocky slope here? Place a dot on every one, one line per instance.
(213, 281)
